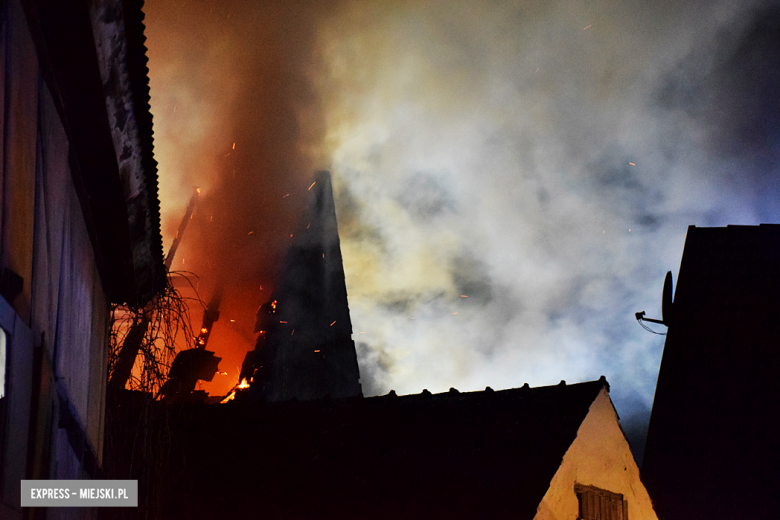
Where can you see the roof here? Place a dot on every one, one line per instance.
(93, 58)
(482, 454)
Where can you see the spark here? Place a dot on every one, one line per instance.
(463, 296)
(632, 164)
(198, 190)
(282, 322)
(454, 313)
(232, 321)
(286, 196)
(332, 323)
(362, 332)
(204, 330)
(588, 27)
(293, 332)
(290, 235)
(312, 185)
(234, 146)
(316, 351)
(251, 232)
(629, 230)
(243, 384)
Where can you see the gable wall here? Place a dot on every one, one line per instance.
(600, 456)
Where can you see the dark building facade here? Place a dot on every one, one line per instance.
(713, 444)
(305, 348)
(79, 229)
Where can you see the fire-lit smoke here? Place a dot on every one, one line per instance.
(513, 179)
(234, 114)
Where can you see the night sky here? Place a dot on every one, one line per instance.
(513, 179)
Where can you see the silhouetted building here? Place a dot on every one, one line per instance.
(529, 453)
(713, 443)
(305, 348)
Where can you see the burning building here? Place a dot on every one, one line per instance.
(712, 444)
(305, 349)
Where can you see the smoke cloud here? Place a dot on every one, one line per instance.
(513, 180)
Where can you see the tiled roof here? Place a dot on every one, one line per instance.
(488, 454)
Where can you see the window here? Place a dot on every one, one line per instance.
(599, 504)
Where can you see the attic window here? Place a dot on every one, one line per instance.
(600, 504)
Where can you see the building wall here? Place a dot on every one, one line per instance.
(599, 456)
(713, 443)
(57, 328)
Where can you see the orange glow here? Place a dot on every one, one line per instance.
(197, 189)
(243, 384)
(463, 296)
(632, 164)
(316, 351)
(204, 330)
(282, 322)
(312, 185)
(332, 323)
(273, 304)
(229, 397)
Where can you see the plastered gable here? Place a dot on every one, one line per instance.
(599, 456)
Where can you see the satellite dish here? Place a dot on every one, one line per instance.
(666, 307)
(666, 300)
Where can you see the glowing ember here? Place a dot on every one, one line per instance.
(632, 164)
(332, 323)
(204, 330)
(243, 384)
